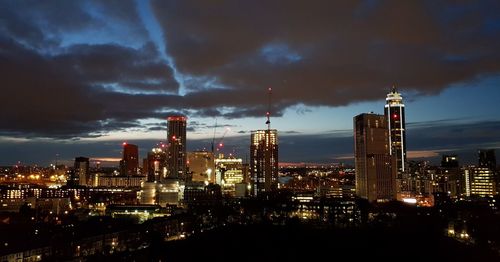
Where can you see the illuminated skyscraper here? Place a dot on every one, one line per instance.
(395, 115)
(130, 160)
(375, 180)
(263, 160)
(176, 163)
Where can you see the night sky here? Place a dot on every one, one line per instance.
(79, 77)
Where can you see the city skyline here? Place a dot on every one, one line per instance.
(82, 81)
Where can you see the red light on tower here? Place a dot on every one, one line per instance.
(395, 116)
(124, 143)
(173, 137)
(221, 145)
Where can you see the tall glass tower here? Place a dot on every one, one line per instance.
(395, 115)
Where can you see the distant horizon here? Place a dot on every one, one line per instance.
(467, 154)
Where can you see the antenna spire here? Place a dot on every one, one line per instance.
(268, 113)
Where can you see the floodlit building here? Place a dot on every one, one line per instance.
(201, 166)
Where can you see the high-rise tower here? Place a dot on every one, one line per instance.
(395, 115)
(264, 156)
(375, 180)
(176, 163)
(264, 160)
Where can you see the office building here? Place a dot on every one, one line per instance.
(176, 160)
(479, 181)
(375, 180)
(263, 160)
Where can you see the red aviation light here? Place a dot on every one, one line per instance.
(124, 143)
(395, 116)
(177, 118)
(173, 137)
(221, 145)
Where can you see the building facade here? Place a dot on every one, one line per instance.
(375, 179)
(201, 166)
(479, 181)
(176, 161)
(263, 160)
(130, 160)
(395, 116)
(81, 175)
(156, 164)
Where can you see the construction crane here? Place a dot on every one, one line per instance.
(221, 144)
(213, 138)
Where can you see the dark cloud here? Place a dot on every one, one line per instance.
(329, 52)
(228, 53)
(65, 96)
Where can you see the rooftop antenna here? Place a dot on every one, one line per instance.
(393, 88)
(268, 113)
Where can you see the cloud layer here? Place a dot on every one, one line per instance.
(74, 69)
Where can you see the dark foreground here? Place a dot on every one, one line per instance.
(309, 243)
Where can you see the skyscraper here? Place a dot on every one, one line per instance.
(176, 147)
(130, 160)
(263, 160)
(81, 174)
(395, 115)
(375, 179)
